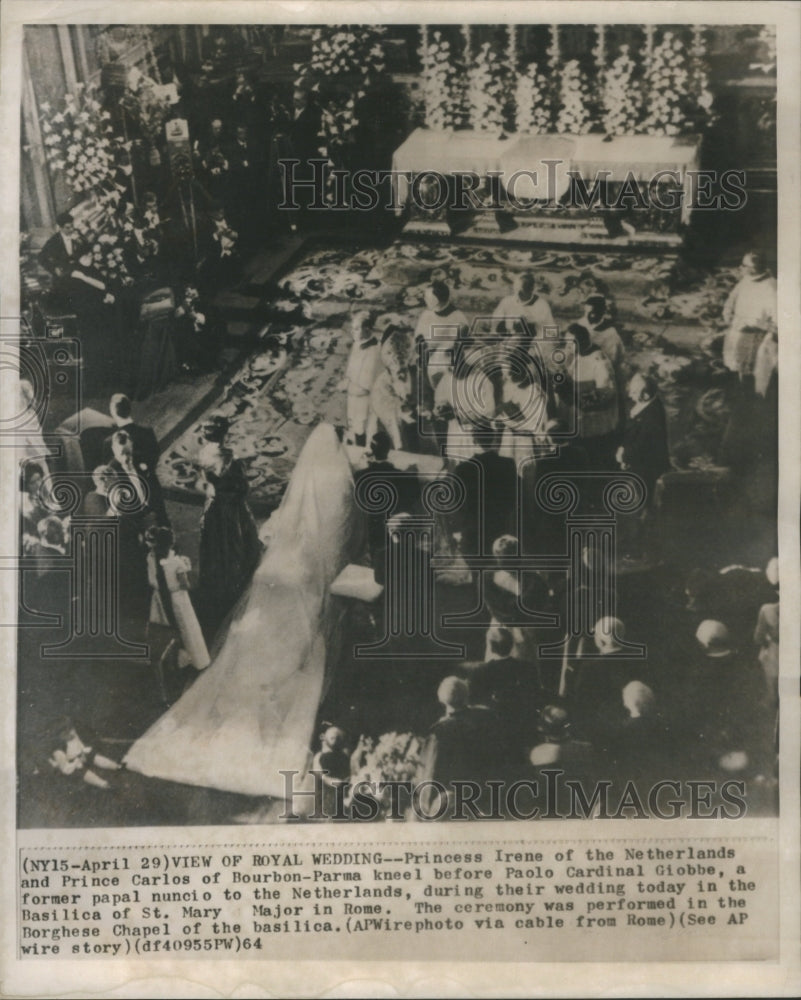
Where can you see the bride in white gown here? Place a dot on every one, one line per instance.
(251, 713)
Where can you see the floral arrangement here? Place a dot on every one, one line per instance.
(442, 84)
(79, 143)
(145, 102)
(621, 106)
(486, 91)
(393, 757)
(667, 81)
(355, 56)
(532, 101)
(573, 116)
(108, 259)
(699, 91)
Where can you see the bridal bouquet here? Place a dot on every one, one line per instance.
(394, 757)
(78, 141)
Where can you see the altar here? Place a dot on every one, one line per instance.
(529, 174)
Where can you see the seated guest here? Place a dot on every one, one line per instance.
(595, 685)
(733, 596)
(597, 407)
(645, 439)
(511, 687)
(47, 587)
(724, 696)
(96, 502)
(557, 747)
(32, 501)
(490, 485)
(86, 293)
(526, 305)
(63, 249)
(442, 325)
(463, 745)
(28, 439)
(52, 537)
(638, 741)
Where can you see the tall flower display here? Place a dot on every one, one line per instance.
(486, 95)
(532, 101)
(699, 91)
(620, 96)
(345, 62)
(442, 84)
(667, 81)
(79, 143)
(573, 115)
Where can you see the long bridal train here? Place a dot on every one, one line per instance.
(251, 713)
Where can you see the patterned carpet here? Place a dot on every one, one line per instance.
(665, 314)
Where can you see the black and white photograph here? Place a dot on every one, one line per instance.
(396, 426)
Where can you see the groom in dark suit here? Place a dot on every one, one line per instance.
(490, 483)
(645, 442)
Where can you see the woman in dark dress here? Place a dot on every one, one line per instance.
(229, 540)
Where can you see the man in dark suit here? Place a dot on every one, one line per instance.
(463, 745)
(245, 192)
(645, 442)
(62, 249)
(407, 486)
(145, 445)
(511, 687)
(489, 509)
